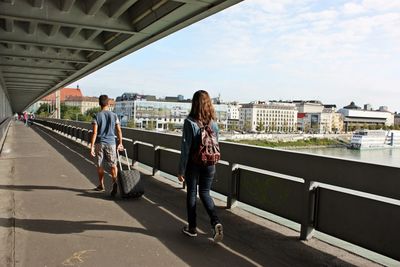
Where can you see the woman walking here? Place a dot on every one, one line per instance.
(202, 114)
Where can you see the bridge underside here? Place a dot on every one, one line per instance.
(47, 44)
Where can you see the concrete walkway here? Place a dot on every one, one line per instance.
(49, 217)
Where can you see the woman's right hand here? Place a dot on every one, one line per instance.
(181, 178)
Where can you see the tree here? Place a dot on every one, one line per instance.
(92, 112)
(171, 126)
(273, 126)
(260, 126)
(69, 112)
(43, 110)
(221, 126)
(247, 126)
(131, 123)
(233, 127)
(150, 125)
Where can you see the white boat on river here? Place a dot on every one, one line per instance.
(370, 139)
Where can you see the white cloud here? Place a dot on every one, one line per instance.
(353, 9)
(280, 49)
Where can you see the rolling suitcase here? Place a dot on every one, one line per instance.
(130, 184)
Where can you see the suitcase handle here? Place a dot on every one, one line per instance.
(119, 159)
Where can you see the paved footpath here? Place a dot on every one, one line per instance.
(49, 217)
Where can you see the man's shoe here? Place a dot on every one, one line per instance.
(218, 232)
(189, 232)
(114, 189)
(99, 188)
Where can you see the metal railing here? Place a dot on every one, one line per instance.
(4, 123)
(354, 201)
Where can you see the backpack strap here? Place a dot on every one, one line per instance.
(201, 125)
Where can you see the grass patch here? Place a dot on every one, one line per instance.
(298, 143)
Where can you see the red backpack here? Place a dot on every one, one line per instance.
(207, 153)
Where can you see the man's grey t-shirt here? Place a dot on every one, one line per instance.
(106, 121)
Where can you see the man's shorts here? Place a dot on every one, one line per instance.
(106, 154)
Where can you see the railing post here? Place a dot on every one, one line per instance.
(233, 192)
(309, 212)
(156, 166)
(135, 156)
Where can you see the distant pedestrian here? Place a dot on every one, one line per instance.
(103, 145)
(26, 118)
(202, 115)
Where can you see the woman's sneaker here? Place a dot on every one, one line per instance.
(99, 188)
(189, 232)
(218, 232)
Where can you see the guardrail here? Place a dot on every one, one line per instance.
(353, 201)
(4, 123)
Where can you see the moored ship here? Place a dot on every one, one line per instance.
(370, 139)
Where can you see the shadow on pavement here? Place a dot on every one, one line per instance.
(162, 212)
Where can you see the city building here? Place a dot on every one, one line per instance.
(84, 103)
(159, 114)
(268, 117)
(51, 98)
(309, 106)
(315, 117)
(355, 117)
(233, 116)
(396, 119)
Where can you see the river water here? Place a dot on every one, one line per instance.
(390, 157)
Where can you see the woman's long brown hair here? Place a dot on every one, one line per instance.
(202, 107)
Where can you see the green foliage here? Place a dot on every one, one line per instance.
(131, 124)
(260, 126)
(92, 112)
(233, 127)
(69, 112)
(43, 110)
(171, 126)
(151, 125)
(247, 126)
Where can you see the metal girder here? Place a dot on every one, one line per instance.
(42, 39)
(35, 72)
(62, 41)
(91, 35)
(9, 25)
(76, 17)
(118, 7)
(20, 53)
(32, 27)
(93, 6)
(66, 5)
(47, 58)
(28, 85)
(37, 65)
(54, 30)
(24, 89)
(74, 32)
(28, 80)
(37, 3)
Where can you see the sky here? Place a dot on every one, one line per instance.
(332, 51)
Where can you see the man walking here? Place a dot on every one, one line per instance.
(103, 145)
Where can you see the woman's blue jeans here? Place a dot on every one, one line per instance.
(202, 176)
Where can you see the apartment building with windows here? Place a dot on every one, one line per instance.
(160, 114)
(268, 117)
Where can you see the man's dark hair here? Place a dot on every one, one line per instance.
(103, 100)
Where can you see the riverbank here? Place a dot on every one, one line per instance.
(298, 144)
